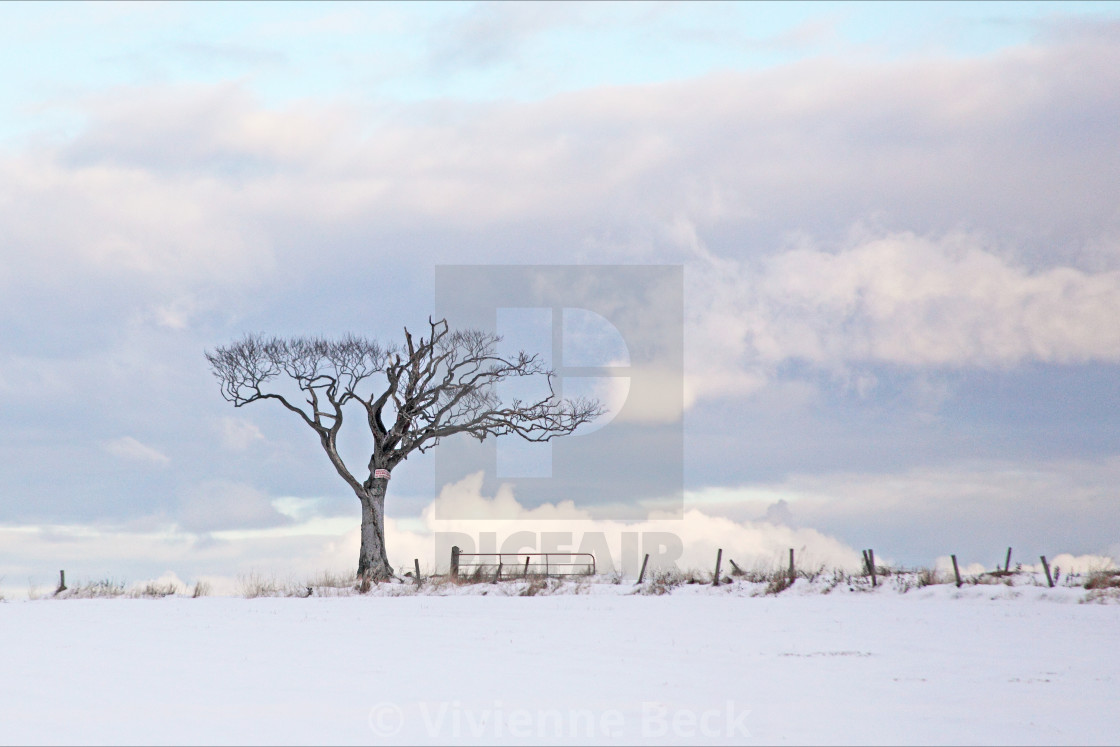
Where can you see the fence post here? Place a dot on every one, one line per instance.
(498, 573)
(956, 570)
(1007, 563)
(871, 563)
(455, 562)
(1046, 567)
(61, 582)
(642, 575)
(526, 573)
(416, 570)
(792, 570)
(719, 560)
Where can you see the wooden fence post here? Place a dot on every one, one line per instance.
(455, 562)
(498, 573)
(1046, 567)
(719, 559)
(642, 575)
(871, 565)
(1007, 563)
(416, 570)
(61, 582)
(792, 569)
(956, 570)
(525, 574)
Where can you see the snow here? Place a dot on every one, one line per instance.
(988, 664)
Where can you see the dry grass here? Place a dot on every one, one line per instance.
(153, 589)
(1102, 584)
(928, 577)
(780, 581)
(106, 588)
(1103, 580)
(1103, 596)
(324, 584)
(540, 585)
(663, 582)
(254, 585)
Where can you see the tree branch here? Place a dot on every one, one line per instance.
(436, 386)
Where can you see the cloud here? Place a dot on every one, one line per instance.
(971, 140)
(128, 447)
(700, 535)
(896, 299)
(984, 187)
(488, 33)
(189, 187)
(224, 505)
(975, 509)
(239, 434)
(908, 300)
(307, 547)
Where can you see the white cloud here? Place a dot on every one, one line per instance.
(895, 299)
(128, 447)
(289, 550)
(975, 509)
(239, 434)
(915, 301)
(224, 505)
(171, 193)
(749, 543)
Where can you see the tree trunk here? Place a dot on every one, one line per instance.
(372, 561)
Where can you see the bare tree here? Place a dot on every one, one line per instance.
(411, 397)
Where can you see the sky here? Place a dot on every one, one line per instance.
(899, 227)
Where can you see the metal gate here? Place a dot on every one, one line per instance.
(510, 565)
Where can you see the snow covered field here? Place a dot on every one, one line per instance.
(984, 664)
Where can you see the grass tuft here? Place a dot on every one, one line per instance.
(1104, 579)
(253, 585)
(106, 588)
(155, 590)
